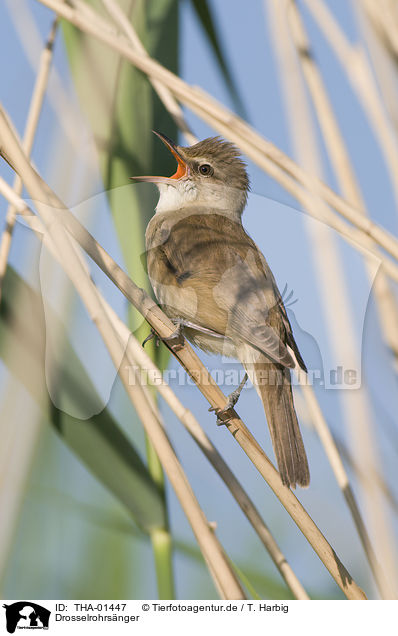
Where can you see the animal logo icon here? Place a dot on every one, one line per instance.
(26, 615)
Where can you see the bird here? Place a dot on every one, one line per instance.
(212, 280)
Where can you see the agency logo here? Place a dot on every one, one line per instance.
(26, 615)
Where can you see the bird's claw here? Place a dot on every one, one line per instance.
(175, 341)
(229, 405)
(151, 336)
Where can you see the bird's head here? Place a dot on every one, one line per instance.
(210, 173)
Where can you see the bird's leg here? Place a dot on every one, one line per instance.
(231, 401)
(174, 341)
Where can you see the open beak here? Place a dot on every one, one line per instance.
(182, 168)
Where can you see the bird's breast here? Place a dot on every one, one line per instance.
(188, 258)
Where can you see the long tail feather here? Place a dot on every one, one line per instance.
(272, 382)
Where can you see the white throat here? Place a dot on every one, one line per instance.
(173, 197)
(188, 193)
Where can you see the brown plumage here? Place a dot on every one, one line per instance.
(208, 273)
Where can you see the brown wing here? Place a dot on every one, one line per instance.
(212, 256)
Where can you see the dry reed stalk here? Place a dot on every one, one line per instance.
(153, 376)
(355, 403)
(355, 65)
(355, 237)
(384, 65)
(335, 221)
(137, 357)
(385, 20)
(11, 150)
(58, 98)
(353, 61)
(364, 476)
(304, 141)
(60, 243)
(343, 482)
(20, 440)
(264, 466)
(327, 261)
(32, 121)
(261, 151)
(218, 563)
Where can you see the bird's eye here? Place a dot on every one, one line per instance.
(205, 169)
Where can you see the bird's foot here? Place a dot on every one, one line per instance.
(229, 405)
(175, 341)
(221, 421)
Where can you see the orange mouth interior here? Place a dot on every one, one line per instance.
(181, 168)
